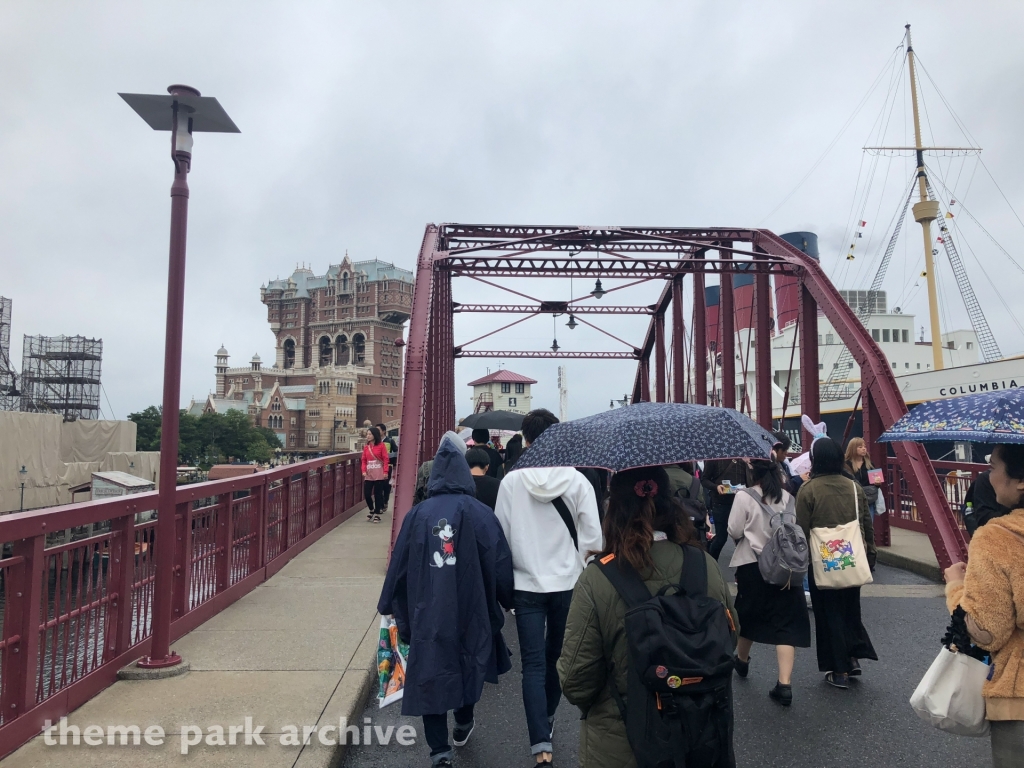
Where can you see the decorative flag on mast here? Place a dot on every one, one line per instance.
(863, 223)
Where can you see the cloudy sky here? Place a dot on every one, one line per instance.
(361, 122)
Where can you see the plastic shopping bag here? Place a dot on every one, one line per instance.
(949, 695)
(391, 664)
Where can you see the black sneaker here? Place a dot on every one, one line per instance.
(444, 762)
(782, 694)
(460, 734)
(742, 667)
(837, 679)
(855, 670)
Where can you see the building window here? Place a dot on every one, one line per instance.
(896, 335)
(850, 366)
(906, 336)
(894, 365)
(821, 366)
(512, 402)
(907, 365)
(313, 414)
(313, 438)
(885, 334)
(970, 345)
(819, 339)
(876, 334)
(520, 389)
(289, 353)
(919, 366)
(830, 339)
(506, 388)
(276, 405)
(292, 439)
(293, 421)
(835, 366)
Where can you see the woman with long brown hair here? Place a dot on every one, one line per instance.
(644, 527)
(858, 464)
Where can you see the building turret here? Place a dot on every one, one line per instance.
(222, 371)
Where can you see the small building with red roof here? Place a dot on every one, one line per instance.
(502, 390)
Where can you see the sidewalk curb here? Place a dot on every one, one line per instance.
(348, 700)
(929, 571)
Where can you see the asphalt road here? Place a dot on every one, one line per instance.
(870, 725)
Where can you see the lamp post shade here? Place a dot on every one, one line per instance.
(205, 112)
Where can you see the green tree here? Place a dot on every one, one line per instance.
(211, 438)
(148, 428)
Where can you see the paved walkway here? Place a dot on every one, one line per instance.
(869, 725)
(297, 650)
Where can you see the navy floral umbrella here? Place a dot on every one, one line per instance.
(649, 434)
(505, 420)
(990, 417)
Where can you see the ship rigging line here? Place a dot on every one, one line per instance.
(860, 105)
(832, 389)
(971, 216)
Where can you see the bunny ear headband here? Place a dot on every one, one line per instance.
(815, 430)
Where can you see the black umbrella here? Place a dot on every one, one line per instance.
(649, 434)
(505, 420)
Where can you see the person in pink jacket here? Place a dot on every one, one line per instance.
(375, 474)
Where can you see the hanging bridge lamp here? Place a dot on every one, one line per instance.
(571, 325)
(598, 291)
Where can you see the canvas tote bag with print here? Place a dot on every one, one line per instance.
(838, 555)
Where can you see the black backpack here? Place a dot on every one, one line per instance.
(692, 502)
(679, 682)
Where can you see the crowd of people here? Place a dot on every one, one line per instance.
(483, 540)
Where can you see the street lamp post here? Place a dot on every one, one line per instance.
(22, 473)
(183, 112)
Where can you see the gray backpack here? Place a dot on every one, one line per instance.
(785, 558)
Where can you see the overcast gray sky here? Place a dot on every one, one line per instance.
(361, 122)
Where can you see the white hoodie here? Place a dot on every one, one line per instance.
(543, 556)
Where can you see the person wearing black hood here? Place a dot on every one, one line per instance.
(449, 578)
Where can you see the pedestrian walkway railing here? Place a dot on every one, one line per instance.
(955, 478)
(77, 581)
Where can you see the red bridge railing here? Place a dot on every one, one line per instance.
(74, 612)
(955, 477)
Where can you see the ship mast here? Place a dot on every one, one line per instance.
(925, 212)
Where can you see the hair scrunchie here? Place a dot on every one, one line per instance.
(645, 488)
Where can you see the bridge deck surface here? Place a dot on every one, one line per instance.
(870, 724)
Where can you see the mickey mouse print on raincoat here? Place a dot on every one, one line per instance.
(449, 609)
(444, 531)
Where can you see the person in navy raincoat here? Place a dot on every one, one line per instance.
(449, 578)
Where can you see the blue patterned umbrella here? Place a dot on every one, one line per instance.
(649, 434)
(991, 417)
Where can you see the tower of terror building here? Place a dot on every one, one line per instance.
(335, 364)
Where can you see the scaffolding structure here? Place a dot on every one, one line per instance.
(9, 399)
(61, 374)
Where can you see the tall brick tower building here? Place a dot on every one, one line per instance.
(336, 365)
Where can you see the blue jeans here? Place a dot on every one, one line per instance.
(539, 650)
(720, 510)
(435, 730)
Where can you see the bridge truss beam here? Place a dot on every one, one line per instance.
(644, 254)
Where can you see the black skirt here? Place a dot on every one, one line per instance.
(769, 614)
(839, 632)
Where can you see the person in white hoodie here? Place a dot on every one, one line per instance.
(546, 562)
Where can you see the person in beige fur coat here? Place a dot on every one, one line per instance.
(990, 589)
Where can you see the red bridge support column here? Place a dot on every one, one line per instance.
(727, 324)
(678, 342)
(659, 357)
(763, 349)
(809, 393)
(700, 340)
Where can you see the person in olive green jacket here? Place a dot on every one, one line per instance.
(595, 637)
(828, 499)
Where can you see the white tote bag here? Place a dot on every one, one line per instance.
(838, 555)
(949, 695)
